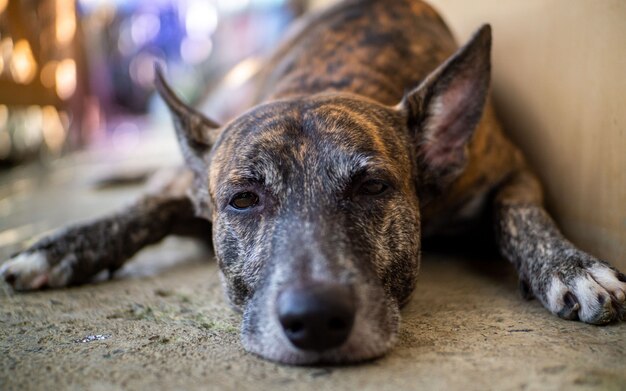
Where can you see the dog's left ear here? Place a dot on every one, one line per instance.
(196, 134)
(443, 111)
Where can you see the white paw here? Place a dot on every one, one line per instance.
(26, 271)
(31, 271)
(596, 294)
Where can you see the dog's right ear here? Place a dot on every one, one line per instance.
(196, 134)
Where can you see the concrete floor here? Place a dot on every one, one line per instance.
(165, 325)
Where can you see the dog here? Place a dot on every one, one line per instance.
(372, 129)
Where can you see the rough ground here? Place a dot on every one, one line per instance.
(165, 325)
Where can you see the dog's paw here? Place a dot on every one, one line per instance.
(31, 270)
(592, 292)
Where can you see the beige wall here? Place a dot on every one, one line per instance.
(560, 77)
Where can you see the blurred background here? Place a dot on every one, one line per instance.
(79, 74)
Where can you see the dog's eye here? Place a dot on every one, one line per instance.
(373, 187)
(244, 200)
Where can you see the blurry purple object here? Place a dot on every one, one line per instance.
(193, 39)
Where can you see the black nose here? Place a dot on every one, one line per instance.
(316, 317)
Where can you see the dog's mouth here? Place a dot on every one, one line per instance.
(321, 324)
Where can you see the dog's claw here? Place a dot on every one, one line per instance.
(570, 307)
(10, 278)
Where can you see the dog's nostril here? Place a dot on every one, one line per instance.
(336, 324)
(294, 327)
(316, 317)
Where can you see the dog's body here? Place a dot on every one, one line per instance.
(318, 196)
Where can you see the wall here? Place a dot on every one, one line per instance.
(560, 77)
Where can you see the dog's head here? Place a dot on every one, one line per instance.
(315, 208)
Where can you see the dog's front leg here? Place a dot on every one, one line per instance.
(569, 282)
(75, 254)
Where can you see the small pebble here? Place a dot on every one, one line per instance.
(91, 338)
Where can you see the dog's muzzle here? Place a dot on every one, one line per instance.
(316, 317)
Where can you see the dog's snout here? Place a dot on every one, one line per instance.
(317, 317)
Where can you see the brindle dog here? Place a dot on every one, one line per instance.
(318, 197)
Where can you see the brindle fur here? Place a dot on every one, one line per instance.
(367, 89)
